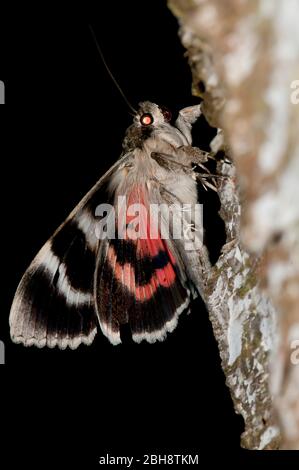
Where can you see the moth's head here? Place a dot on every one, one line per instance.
(147, 119)
(150, 115)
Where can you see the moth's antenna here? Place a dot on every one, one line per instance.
(109, 71)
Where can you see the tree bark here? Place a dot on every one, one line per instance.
(244, 56)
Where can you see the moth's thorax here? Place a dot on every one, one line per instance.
(135, 137)
(139, 169)
(143, 170)
(144, 138)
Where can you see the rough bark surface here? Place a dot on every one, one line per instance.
(244, 55)
(244, 324)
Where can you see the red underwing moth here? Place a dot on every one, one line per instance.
(84, 278)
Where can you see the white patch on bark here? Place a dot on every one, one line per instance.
(234, 330)
(243, 45)
(267, 436)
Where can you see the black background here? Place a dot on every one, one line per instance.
(63, 126)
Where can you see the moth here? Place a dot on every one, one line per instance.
(80, 282)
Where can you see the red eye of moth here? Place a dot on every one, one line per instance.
(167, 114)
(146, 119)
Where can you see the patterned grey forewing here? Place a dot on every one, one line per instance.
(54, 302)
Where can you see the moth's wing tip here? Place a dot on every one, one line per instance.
(28, 342)
(61, 343)
(112, 336)
(169, 327)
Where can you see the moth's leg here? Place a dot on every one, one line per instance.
(168, 162)
(187, 116)
(206, 184)
(171, 164)
(192, 154)
(198, 157)
(186, 155)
